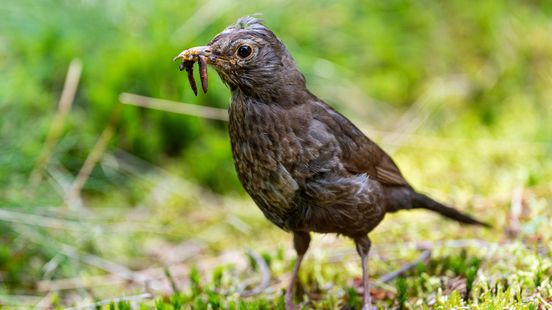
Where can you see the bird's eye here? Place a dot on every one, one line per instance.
(244, 51)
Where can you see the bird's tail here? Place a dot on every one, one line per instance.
(421, 201)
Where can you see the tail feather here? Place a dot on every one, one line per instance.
(421, 201)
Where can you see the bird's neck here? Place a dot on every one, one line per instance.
(287, 89)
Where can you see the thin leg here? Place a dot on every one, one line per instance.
(301, 242)
(363, 248)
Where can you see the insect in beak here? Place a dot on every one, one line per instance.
(200, 54)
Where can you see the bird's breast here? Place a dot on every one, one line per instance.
(265, 147)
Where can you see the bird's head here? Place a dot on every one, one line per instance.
(248, 57)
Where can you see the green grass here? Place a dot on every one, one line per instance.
(459, 92)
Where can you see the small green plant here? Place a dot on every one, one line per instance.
(353, 300)
(402, 288)
(195, 282)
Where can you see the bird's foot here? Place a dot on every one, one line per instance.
(368, 306)
(288, 298)
(367, 303)
(291, 306)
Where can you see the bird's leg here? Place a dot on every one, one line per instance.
(363, 248)
(301, 242)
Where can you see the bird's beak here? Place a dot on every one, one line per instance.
(193, 54)
(203, 56)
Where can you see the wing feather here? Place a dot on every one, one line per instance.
(359, 154)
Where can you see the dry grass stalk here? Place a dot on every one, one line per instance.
(174, 106)
(156, 277)
(202, 18)
(392, 139)
(64, 106)
(69, 251)
(51, 222)
(438, 91)
(406, 267)
(72, 199)
(265, 276)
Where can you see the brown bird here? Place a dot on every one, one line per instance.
(306, 166)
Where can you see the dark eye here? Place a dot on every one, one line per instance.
(244, 51)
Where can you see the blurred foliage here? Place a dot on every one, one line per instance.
(476, 75)
(389, 50)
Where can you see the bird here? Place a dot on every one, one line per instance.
(306, 166)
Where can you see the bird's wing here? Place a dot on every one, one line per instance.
(358, 153)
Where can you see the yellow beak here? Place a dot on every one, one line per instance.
(192, 54)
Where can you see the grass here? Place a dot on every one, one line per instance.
(208, 261)
(458, 92)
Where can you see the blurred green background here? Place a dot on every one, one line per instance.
(460, 92)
